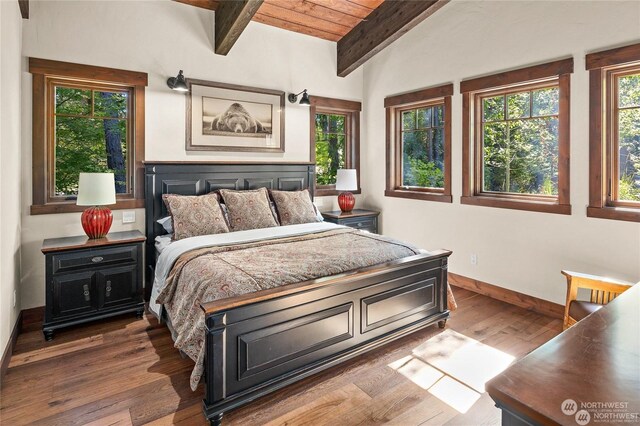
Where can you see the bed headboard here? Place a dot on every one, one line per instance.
(201, 178)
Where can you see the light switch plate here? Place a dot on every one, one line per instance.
(128, 216)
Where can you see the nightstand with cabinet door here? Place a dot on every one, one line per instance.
(88, 280)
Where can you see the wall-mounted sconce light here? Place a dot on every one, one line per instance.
(178, 83)
(303, 101)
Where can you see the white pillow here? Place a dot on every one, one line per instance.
(166, 224)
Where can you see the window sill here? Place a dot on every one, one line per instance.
(515, 204)
(628, 214)
(419, 195)
(71, 207)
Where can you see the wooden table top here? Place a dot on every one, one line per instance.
(595, 361)
(82, 241)
(339, 214)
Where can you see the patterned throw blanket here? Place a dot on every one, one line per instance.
(214, 273)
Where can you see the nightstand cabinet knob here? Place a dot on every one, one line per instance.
(97, 259)
(87, 295)
(108, 289)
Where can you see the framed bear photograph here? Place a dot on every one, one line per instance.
(227, 117)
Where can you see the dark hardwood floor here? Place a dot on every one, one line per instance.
(126, 371)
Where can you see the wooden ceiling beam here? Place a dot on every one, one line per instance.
(382, 27)
(24, 8)
(232, 17)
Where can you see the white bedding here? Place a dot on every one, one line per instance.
(171, 252)
(162, 241)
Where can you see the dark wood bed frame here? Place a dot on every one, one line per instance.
(260, 342)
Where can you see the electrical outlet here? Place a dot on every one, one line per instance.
(128, 216)
(474, 259)
(15, 298)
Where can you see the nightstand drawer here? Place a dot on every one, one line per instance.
(65, 262)
(360, 222)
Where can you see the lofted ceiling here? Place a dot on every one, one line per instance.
(326, 19)
(360, 28)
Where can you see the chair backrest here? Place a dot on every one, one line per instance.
(603, 297)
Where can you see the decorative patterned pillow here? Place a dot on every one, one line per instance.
(248, 209)
(294, 207)
(195, 215)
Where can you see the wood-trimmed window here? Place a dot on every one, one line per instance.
(614, 133)
(515, 133)
(85, 119)
(418, 133)
(335, 141)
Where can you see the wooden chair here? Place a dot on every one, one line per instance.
(603, 291)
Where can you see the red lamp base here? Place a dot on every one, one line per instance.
(346, 201)
(96, 221)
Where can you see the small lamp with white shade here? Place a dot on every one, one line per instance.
(346, 181)
(96, 190)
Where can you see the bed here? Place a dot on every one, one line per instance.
(259, 341)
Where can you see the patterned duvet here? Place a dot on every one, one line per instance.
(214, 273)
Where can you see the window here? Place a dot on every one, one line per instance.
(614, 187)
(335, 140)
(85, 119)
(516, 139)
(419, 144)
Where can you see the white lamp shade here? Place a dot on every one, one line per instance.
(346, 180)
(96, 189)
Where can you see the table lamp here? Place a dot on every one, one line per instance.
(96, 190)
(346, 181)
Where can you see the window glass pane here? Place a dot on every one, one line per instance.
(322, 123)
(72, 101)
(518, 105)
(409, 120)
(438, 147)
(438, 115)
(330, 156)
(422, 159)
(336, 123)
(110, 104)
(629, 154)
(424, 117)
(89, 145)
(629, 91)
(494, 156)
(521, 156)
(545, 102)
(493, 108)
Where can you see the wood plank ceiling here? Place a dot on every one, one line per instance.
(326, 19)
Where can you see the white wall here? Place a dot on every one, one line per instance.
(11, 65)
(159, 38)
(523, 251)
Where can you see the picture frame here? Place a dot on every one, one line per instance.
(229, 117)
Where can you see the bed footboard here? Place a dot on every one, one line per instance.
(258, 343)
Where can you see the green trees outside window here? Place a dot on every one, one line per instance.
(423, 147)
(91, 133)
(520, 142)
(331, 145)
(628, 131)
